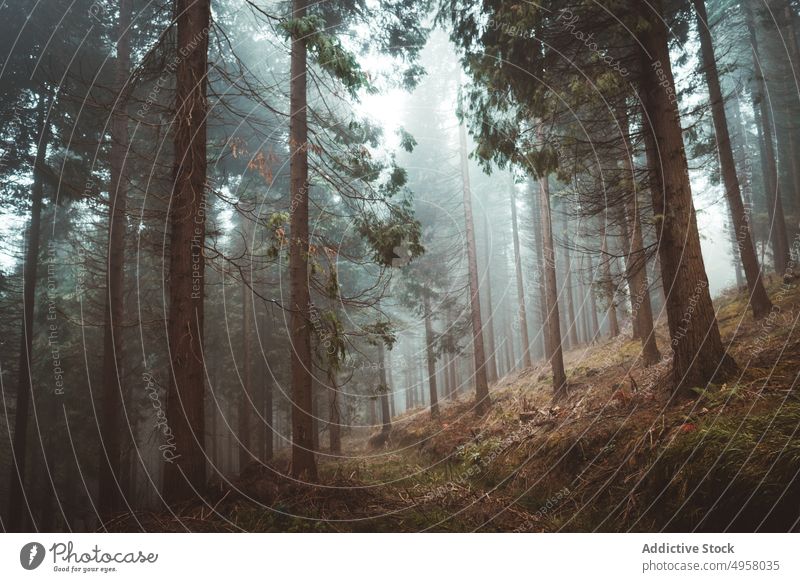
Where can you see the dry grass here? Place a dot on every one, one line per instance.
(616, 454)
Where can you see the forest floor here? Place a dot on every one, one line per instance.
(618, 454)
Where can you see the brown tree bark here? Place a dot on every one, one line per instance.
(18, 499)
(448, 387)
(594, 322)
(482, 401)
(521, 310)
(743, 171)
(638, 285)
(316, 423)
(246, 395)
(586, 305)
(452, 391)
(636, 262)
(783, 83)
(269, 421)
(699, 355)
(265, 430)
(608, 287)
(508, 340)
(184, 474)
(110, 486)
(793, 83)
(491, 357)
(334, 413)
(769, 164)
(551, 292)
(258, 431)
(407, 380)
(759, 300)
(572, 324)
(431, 358)
(790, 21)
(630, 265)
(386, 415)
(214, 440)
(544, 332)
(303, 461)
(390, 382)
(786, 136)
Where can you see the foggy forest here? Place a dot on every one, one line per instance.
(399, 265)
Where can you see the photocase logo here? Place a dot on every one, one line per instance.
(401, 255)
(96, 11)
(31, 555)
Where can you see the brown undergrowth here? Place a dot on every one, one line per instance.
(618, 454)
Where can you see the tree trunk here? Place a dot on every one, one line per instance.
(759, 301)
(482, 401)
(230, 445)
(129, 458)
(444, 377)
(315, 417)
(638, 285)
(258, 434)
(737, 263)
(185, 471)
(632, 269)
(572, 324)
(303, 461)
(431, 358)
(636, 262)
(390, 382)
(246, 395)
(452, 390)
(741, 158)
(588, 302)
(584, 294)
(547, 348)
(214, 428)
(110, 487)
(699, 355)
(265, 428)
(17, 499)
(608, 287)
(508, 340)
(386, 416)
(335, 417)
(790, 21)
(521, 310)
(551, 291)
(793, 89)
(782, 93)
(408, 382)
(46, 416)
(769, 164)
(786, 137)
(269, 421)
(420, 382)
(593, 319)
(491, 358)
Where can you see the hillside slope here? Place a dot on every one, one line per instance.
(618, 454)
